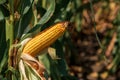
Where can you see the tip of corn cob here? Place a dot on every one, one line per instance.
(45, 38)
(65, 24)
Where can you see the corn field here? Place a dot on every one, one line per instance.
(59, 39)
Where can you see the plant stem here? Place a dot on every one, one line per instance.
(10, 23)
(9, 29)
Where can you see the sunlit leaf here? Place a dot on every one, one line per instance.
(26, 9)
(22, 70)
(52, 53)
(27, 4)
(45, 59)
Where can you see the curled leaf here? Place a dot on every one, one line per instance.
(36, 66)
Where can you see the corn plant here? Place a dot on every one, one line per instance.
(23, 38)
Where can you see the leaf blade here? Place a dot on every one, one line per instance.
(45, 17)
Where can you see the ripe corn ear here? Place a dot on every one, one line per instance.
(44, 39)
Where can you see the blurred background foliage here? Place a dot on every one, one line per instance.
(78, 49)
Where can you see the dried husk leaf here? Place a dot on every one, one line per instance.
(36, 66)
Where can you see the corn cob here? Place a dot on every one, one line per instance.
(44, 39)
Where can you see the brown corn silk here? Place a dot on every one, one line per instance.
(45, 38)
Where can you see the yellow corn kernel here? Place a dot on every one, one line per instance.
(44, 39)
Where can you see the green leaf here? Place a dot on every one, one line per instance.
(14, 77)
(31, 74)
(56, 68)
(11, 6)
(4, 61)
(1, 15)
(23, 23)
(26, 36)
(61, 65)
(2, 78)
(60, 11)
(11, 69)
(45, 17)
(24, 6)
(26, 9)
(48, 14)
(46, 61)
(5, 12)
(27, 5)
(2, 39)
(2, 1)
(26, 12)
